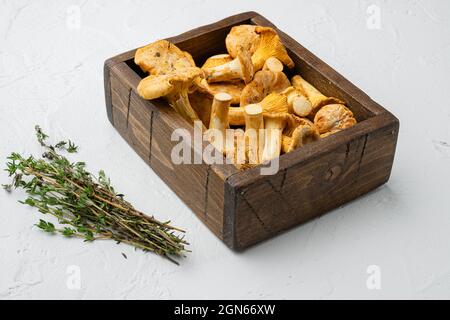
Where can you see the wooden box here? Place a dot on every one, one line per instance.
(244, 207)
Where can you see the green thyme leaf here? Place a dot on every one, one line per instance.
(86, 206)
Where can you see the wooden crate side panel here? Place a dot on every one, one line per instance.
(187, 180)
(120, 99)
(198, 185)
(214, 207)
(107, 87)
(313, 187)
(140, 120)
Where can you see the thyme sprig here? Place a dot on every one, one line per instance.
(85, 205)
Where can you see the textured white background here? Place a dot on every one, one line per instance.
(51, 74)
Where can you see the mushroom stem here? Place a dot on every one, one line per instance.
(224, 72)
(239, 68)
(298, 103)
(238, 153)
(317, 98)
(236, 116)
(273, 64)
(175, 87)
(254, 121)
(180, 102)
(219, 111)
(219, 120)
(274, 125)
(273, 103)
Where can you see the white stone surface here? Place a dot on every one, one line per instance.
(51, 74)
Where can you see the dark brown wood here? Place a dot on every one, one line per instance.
(243, 207)
(325, 175)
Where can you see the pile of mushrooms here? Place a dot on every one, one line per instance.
(245, 90)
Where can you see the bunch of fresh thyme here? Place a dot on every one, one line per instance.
(86, 206)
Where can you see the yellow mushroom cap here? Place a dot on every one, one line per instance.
(263, 83)
(156, 86)
(242, 35)
(302, 135)
(275, 103)
(161, 57)
(334, 117)
(233, 88)
(276, 116)
(270, 45)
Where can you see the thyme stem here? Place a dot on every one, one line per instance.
(87, 206)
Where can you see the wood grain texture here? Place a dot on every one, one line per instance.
(312, 183)
(243, 207)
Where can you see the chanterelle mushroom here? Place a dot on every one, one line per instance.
(273, 64)
(237, 153)
(273, 103)
(234, 89)
(270, 45)
(219, 112)
(316, 98)
(174, 86)
(293, 121)
(161, 57)
(301, 135)
(240, 67)
(263, 83)
(298, 102)
(254, 136)
(243, 35)
(274, 124)
(219, 123)
(217, 60)
(334, 117)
